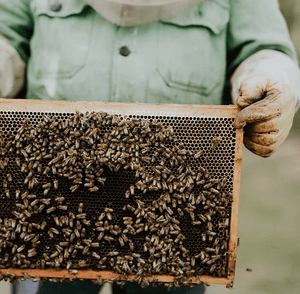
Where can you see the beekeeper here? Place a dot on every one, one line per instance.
(156, 51)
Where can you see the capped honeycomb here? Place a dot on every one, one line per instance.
(135, 194)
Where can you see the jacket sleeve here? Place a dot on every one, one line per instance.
(16, 24)
(12, 70)
(255, 25)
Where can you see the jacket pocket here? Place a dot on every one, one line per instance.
(61, 38)
(192, 47)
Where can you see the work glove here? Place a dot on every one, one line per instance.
(266, 89)
(12, 70)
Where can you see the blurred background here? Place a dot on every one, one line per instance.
(269, 219)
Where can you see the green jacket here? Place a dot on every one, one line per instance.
(74, 53)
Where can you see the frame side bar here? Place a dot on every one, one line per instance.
(233, 239)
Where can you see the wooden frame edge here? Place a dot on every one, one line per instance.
(93, 275)
(233, 239)
(228, 111)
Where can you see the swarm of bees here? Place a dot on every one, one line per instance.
(166, 202)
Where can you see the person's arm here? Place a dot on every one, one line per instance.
(12, 70)
(16, 28)
(263, 68)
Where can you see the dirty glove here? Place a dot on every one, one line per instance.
(12, 70)
(266, 88)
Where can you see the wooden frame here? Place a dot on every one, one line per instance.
(140, 108)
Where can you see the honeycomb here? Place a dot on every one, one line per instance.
(136, 194)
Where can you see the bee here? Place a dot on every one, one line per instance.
(62, 207)
(74, 188)
(215, 142)
(132, 189)
(180, 212)
(7, 193)
(5, 184)
(81, 216)
(86, 222)
(21, 248)
(83, 232)
(108, 215)
(31, 196)
(35, 240)
(169, 210)
(45, 201)
(55, 184)
(18, 192)
(72, 271)
(33, 203)
(39, 209)
(60, 199)
(108, 239)
(216, 242)
(29, 230)
(46, 170)
(9, 177)
(18, 161)
(85, 250)
(47, 186)
(229, 286)
(94, 189)
(55, 254)
(78, 225)
(56, 221)
(47, 156)
(130, 207)
(131, 246)
(101, 180)
(80, 207)
(36, 164)
(214, 191)
(55, 231)
(14, 249)
(211, 233)
(31, 253)
(127, 194)
(27, 213)
(196, 223)
(82, 263)
(76, 231)
(198, 154)
(51, 209)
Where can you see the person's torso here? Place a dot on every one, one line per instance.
(76, 55)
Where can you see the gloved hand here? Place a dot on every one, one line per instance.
(264, 87)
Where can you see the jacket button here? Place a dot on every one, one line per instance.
(56, 7)
(124, 51)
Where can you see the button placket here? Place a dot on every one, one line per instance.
(122, 58)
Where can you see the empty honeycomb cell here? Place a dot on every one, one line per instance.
(148, 206)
